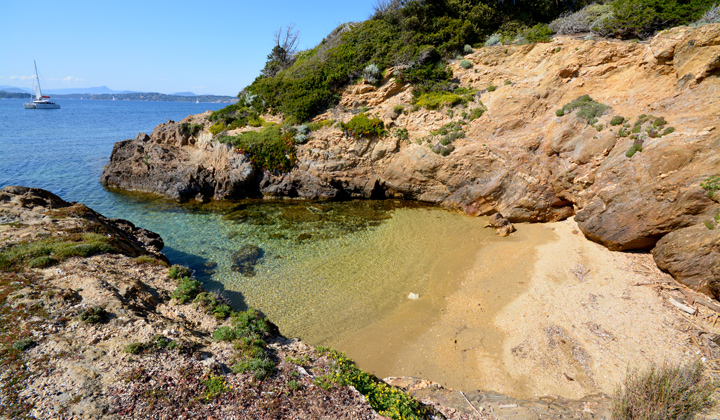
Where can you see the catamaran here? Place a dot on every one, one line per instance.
(40, 101)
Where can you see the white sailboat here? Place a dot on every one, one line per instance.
(40, 101)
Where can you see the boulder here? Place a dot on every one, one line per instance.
(245, 259)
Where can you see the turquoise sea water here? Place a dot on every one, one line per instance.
(327, 269)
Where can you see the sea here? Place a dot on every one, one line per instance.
(327, 269)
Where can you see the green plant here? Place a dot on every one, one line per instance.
(93, 315)
(217, 128)
(324, 382)
(668, 130)
(214, 387)
(491, 88)
(260, 367)
(191, 129)
(398, 109)
(178, 272)
(508, 82)
(372, 74)
(623, 132)
(537, 33)
(186, 291)
(664, 392)
(467, 49)
(617, 120)
(476, 113)
(50, 251)
(267, 149)
(435, 100)
(387, 400)
(711, 184)
(642, 18)
(709, 224)
(294, 385)
(401, 133)
(466, 64)
(588, 109)
(636, 147)
(23, 344)
(134, 348)
(314, 126)
(361, 125)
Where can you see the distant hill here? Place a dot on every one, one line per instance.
(13, 95)
(150, 96)
(183, 94)
(100, 90)
(13, 89)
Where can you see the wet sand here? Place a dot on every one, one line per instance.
(544, 311)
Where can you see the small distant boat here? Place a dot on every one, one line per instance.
(113, 98)
(197, 101)
(40, 101)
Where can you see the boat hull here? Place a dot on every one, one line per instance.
(41, 106)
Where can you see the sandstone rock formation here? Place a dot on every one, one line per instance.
(519, 158)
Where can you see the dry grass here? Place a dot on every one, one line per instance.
(665, 392)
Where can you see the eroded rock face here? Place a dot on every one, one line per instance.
(519, 158)
(693, 255)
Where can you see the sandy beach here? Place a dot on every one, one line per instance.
(544, 312)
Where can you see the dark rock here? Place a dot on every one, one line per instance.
(502, 226)
(245, 259)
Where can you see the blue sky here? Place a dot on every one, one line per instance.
(207, 47)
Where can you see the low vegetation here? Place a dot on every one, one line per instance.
(54, 250)
(385, 399)
(363, 126)
(664, 392)
(711, 184)
(269, 148)
(587, 109)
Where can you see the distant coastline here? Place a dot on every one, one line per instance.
(135, 96)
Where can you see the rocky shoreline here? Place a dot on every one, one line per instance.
(520, 158)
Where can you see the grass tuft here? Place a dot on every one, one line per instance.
(664, 392)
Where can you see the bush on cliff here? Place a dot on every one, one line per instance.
(363, 126)
(416, 35)
(268, 149)
(587, 108)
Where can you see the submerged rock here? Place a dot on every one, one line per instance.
(245, 259)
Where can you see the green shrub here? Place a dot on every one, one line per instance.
(466, 64)
(636, 147)
(494, 39)
(538, 33)
(215, 386)
(617, 120)
(667, 131)
(222, 311)
(467, 49)
(712, 15)
(23, 344)
(266, 149)
(50, 251)
(320, 124)
(186, 291)
(387, 400)
(134, 348)
(93, 315)
(642, 18)
(435, 100)
(178, 272)
(261, 367)
(217, 128)
(711, 184)
(666, 392)
(491, 88)
(588, 109)
(191, 129)
(476, 113)
(401, 133)
(709, 224)
(623, 132)
(398, 109)
(362, 126)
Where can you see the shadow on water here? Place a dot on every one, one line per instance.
(203, 270)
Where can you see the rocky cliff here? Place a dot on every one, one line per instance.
(632, 182)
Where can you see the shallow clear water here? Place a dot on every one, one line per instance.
(326, 269)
